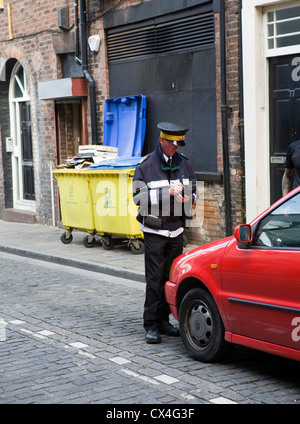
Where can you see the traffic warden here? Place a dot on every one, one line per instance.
(164, 188)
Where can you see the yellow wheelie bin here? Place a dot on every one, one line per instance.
(113, 207)
(98, 200)
(75, 204)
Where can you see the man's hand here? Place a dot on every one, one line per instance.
(287, 180)
(182, 199)
(175, 189)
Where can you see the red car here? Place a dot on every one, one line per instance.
(244, 289)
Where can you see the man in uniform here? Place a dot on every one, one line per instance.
(291, 176)
(164, 187)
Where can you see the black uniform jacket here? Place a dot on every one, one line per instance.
(151, 182)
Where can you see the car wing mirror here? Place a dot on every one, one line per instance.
(243, 233)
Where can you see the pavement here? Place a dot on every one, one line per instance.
(43, 242)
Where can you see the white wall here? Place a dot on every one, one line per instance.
(256, 103)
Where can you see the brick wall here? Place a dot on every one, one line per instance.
(35, 24)
(213, 207)
(6, 194)
(2, 197)
(233, 100)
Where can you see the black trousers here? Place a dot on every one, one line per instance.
(160, 252)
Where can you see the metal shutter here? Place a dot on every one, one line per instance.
(186, 34)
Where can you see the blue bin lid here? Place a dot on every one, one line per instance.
(117, 163)
(125, 124)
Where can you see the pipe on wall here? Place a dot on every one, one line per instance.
(242, 99)
(84, 67)
(224, 111)
(76, 25)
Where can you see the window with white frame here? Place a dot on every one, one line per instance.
(283, 27)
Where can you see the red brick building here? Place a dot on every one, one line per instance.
(183, 55)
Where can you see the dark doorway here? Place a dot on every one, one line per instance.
(27, 156)
(69, 128)
(284, 117)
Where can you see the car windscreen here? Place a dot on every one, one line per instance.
(280, 228)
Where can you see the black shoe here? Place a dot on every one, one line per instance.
(167, 328)
(152, 337)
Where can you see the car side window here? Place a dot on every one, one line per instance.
(281, 228)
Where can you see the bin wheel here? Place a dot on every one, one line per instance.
(64, 239)
(88, 241)
(137, 249)
(108, 243)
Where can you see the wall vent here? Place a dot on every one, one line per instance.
(187, 34)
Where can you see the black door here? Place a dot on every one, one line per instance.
(27, 156)
(284, 117)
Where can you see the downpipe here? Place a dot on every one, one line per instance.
(84, 68)
(224, 111)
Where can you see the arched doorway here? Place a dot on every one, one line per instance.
(22, 154)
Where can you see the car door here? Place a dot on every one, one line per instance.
(261, 282)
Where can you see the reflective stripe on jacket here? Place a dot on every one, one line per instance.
(151, 182)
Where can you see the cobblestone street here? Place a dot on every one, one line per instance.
(75, 336)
